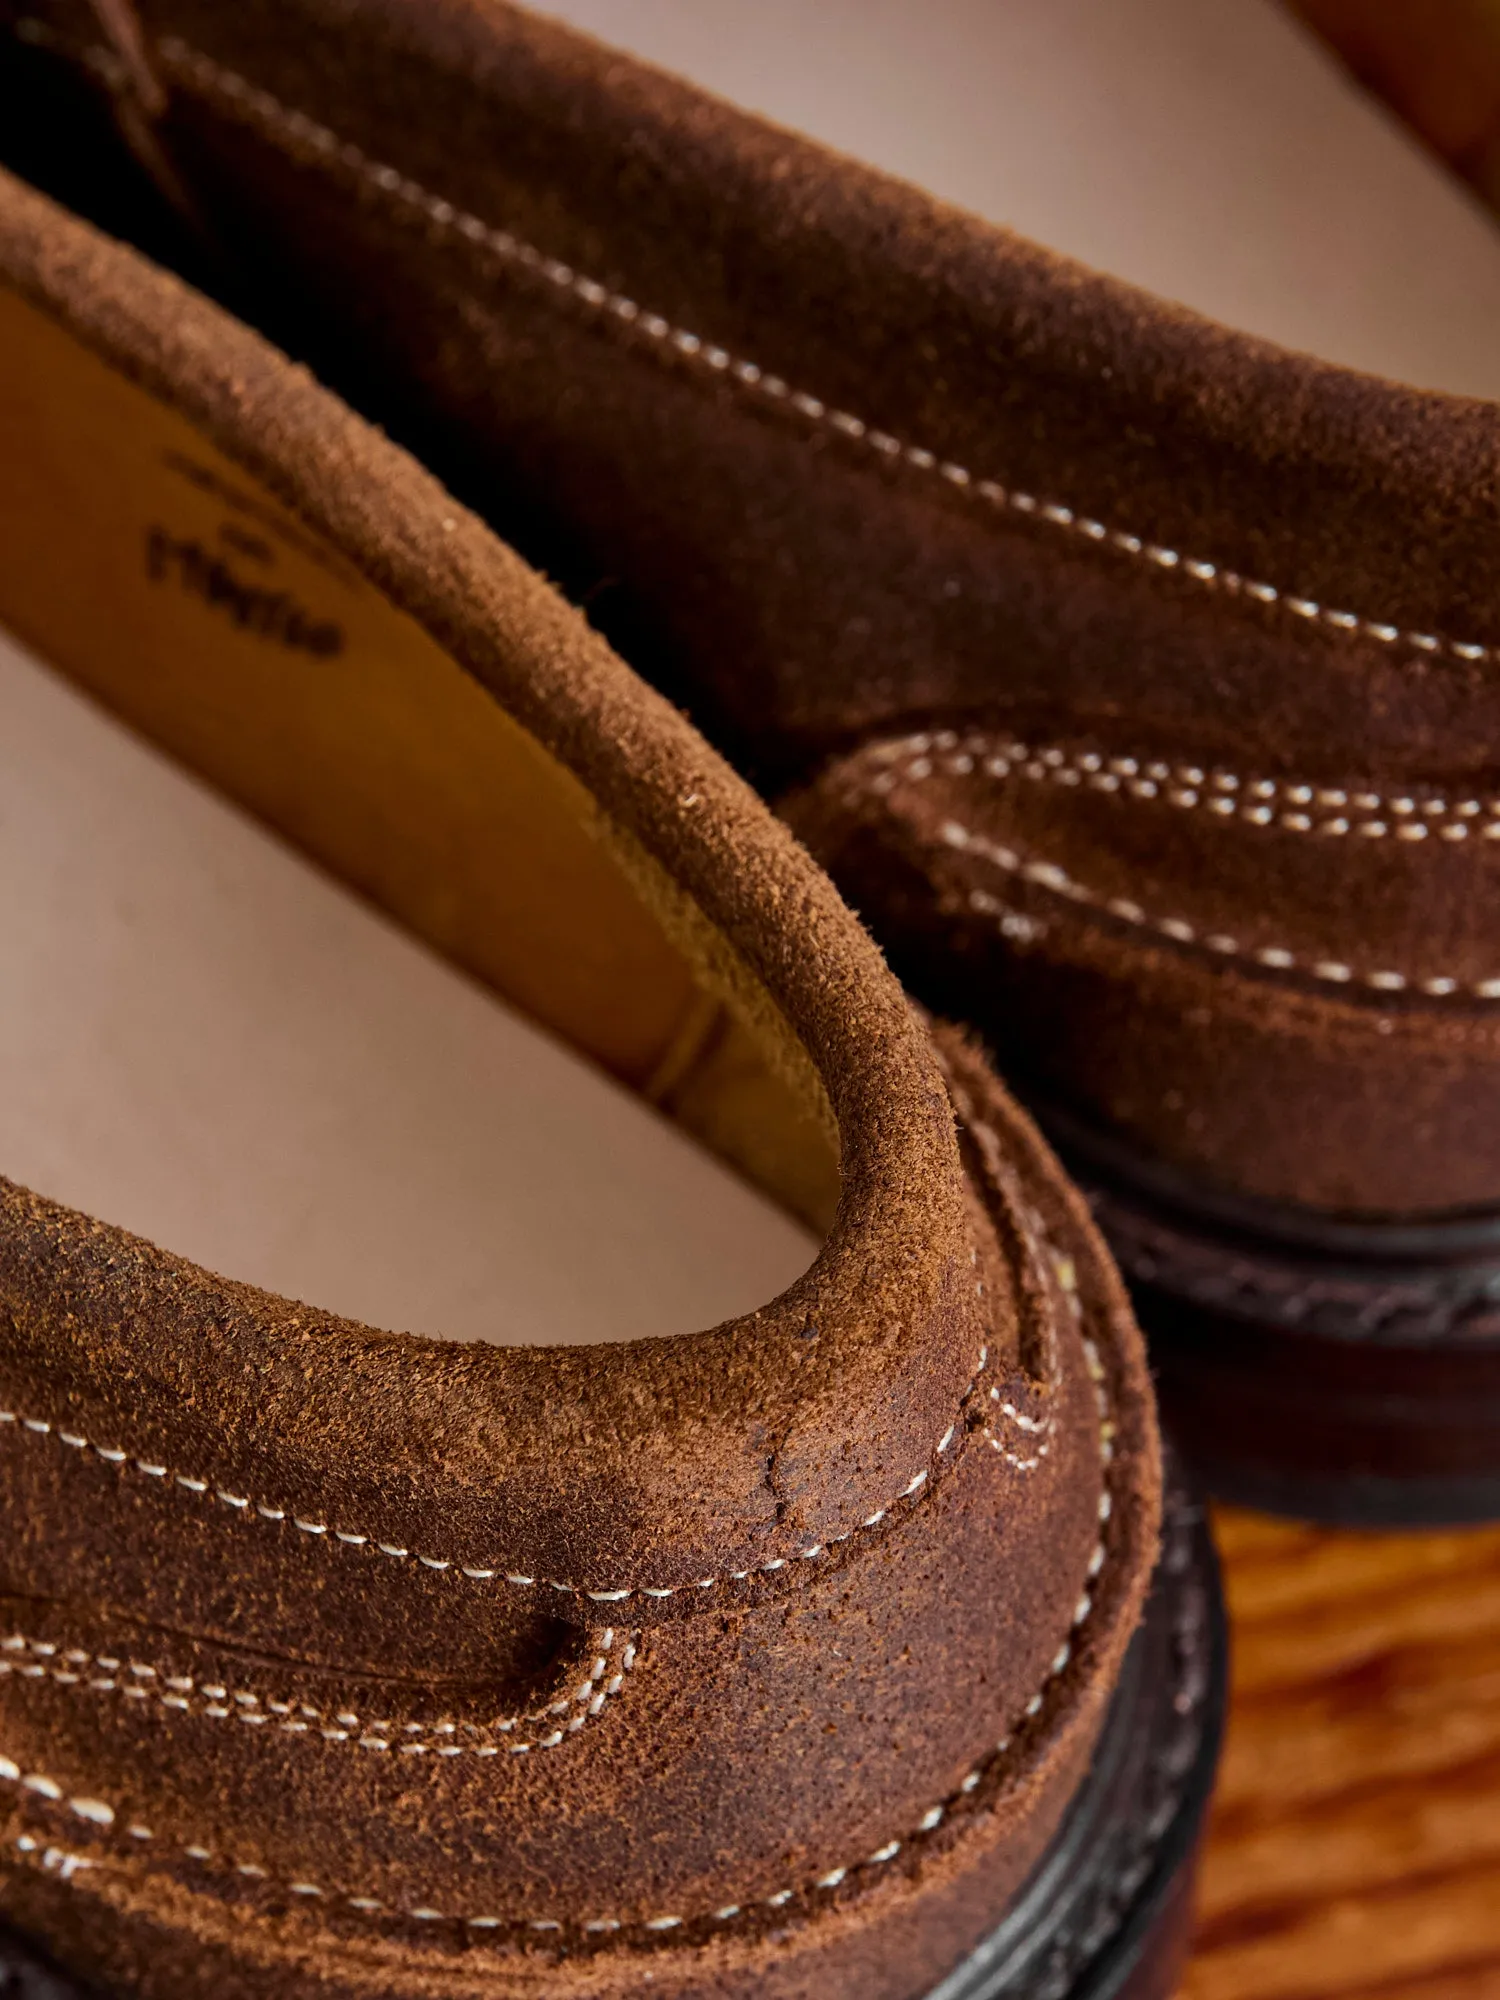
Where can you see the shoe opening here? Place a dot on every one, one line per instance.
(322, 971)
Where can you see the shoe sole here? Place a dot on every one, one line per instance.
(1338, 1371)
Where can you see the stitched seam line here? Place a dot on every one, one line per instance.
(1047, 875)
(681, 343)
(1272, 958)
(1034, 1234)
(1260, 802)
(103, 1673)
(100, 1814)
(251, 1509)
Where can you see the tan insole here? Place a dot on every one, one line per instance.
(1206, 149)
(206, 1039)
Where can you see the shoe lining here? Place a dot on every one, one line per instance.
(165, 583)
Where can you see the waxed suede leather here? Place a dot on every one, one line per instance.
(761, 1661)
(1135, 678)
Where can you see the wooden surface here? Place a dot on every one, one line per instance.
(1355, 1843)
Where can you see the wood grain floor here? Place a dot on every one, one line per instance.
(1355, 1843)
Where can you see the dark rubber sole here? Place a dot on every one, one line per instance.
(1392, 1439)
(1337, 1370)
(1108, 1911)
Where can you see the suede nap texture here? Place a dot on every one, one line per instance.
(841, 467)
(805, 1622)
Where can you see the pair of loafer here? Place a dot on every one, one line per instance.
(811, 1625)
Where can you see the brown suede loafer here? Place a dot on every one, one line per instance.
(1132, 676)
(760, 1660)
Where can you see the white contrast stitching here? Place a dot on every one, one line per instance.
(56, 1860)
(104, 1816)
(1272, 958)
(133, 1680)
(681, 343)
(1295, 805)
(1034, 1232)
(1049, 876)
(251, 1509)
